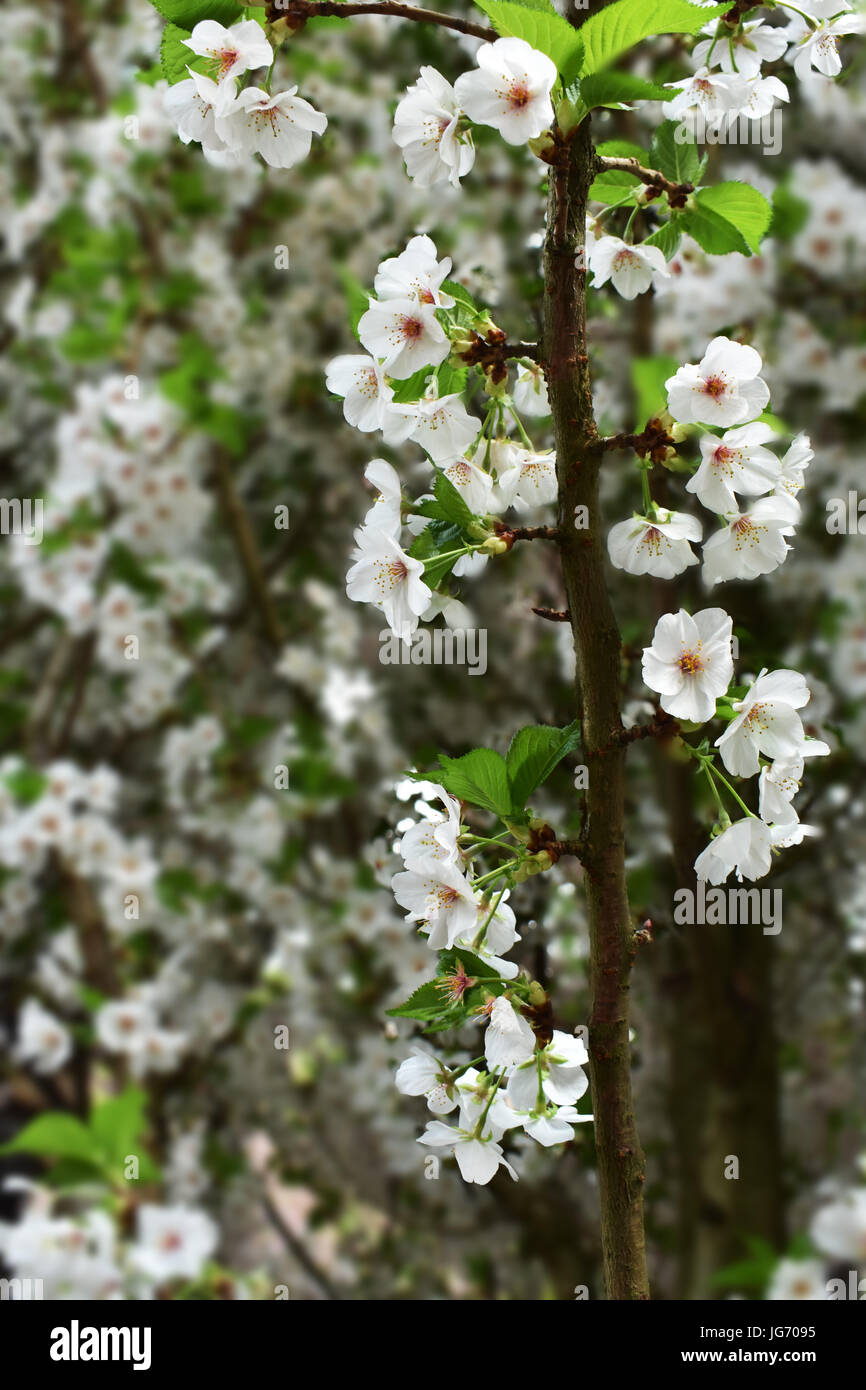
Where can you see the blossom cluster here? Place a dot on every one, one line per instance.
(689, 662)
(530, 1082)
(723, 389)
(232, 123)
(729, 83)
(509, 90)
(411, 328)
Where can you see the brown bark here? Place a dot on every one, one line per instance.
(598, 653)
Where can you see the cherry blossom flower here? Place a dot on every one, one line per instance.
(525, 479)
(232, 51)
(384, 575)
(735, 463)
(753, 542)
(780, 781)
(657, 545)
(437, 893)
(630, 269)
(723, 389)
(760, 96)
(509, 1038)
(422, 1074)
(839, 1229)
(435, 835)
(798, 1280)
(818, 47)
(741, 52)
(481, 1096)
(478, 1159)
(191, 107)
(510, 90)
(746, 846)
(443, 426)
(473, 484)
(710, 95)
(384, 515)
(367, 398)
(530, 392)
(690, 662)
(415, 274)
(553, 1125)
(173, 1242)
(44, 1043)
(557, 1070)
(280, 128)
(767, 722)
(794, 464)
(427, 130)
(404, 334)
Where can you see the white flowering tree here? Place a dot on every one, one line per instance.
(431, 351)
(505, 434)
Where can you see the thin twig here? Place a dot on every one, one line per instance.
(297, 12)
(653, 178)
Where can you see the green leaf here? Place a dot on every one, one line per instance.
(188, 13)
(741, 205)
(425, 1003)
(465, 310)
(790, 213)
(648, 377)
(677, 158)
(613, 88)
(472, 964)
(618, 27)
(174, 56)
(439, 538)
(452, 503)
(542, 28)
(450, 381)
(613, 187)
(357, 297)
(479, 777)
(26, 784)
(533, 754)
(411, 388)
(55, 1135)
(623, 149)
(713, 232)
(117, 1125)
(667, 238)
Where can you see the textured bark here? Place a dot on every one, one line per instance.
(722, 1014)
(598, 654)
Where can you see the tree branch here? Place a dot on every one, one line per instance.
(653, 178)
(653, 440)
(525, 533)
(493, 352)
(297, 12)
(245, 543)
(598, 650)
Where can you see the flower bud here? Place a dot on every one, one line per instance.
(544, 145)
(494, 545)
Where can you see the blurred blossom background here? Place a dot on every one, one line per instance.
(199, 943)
